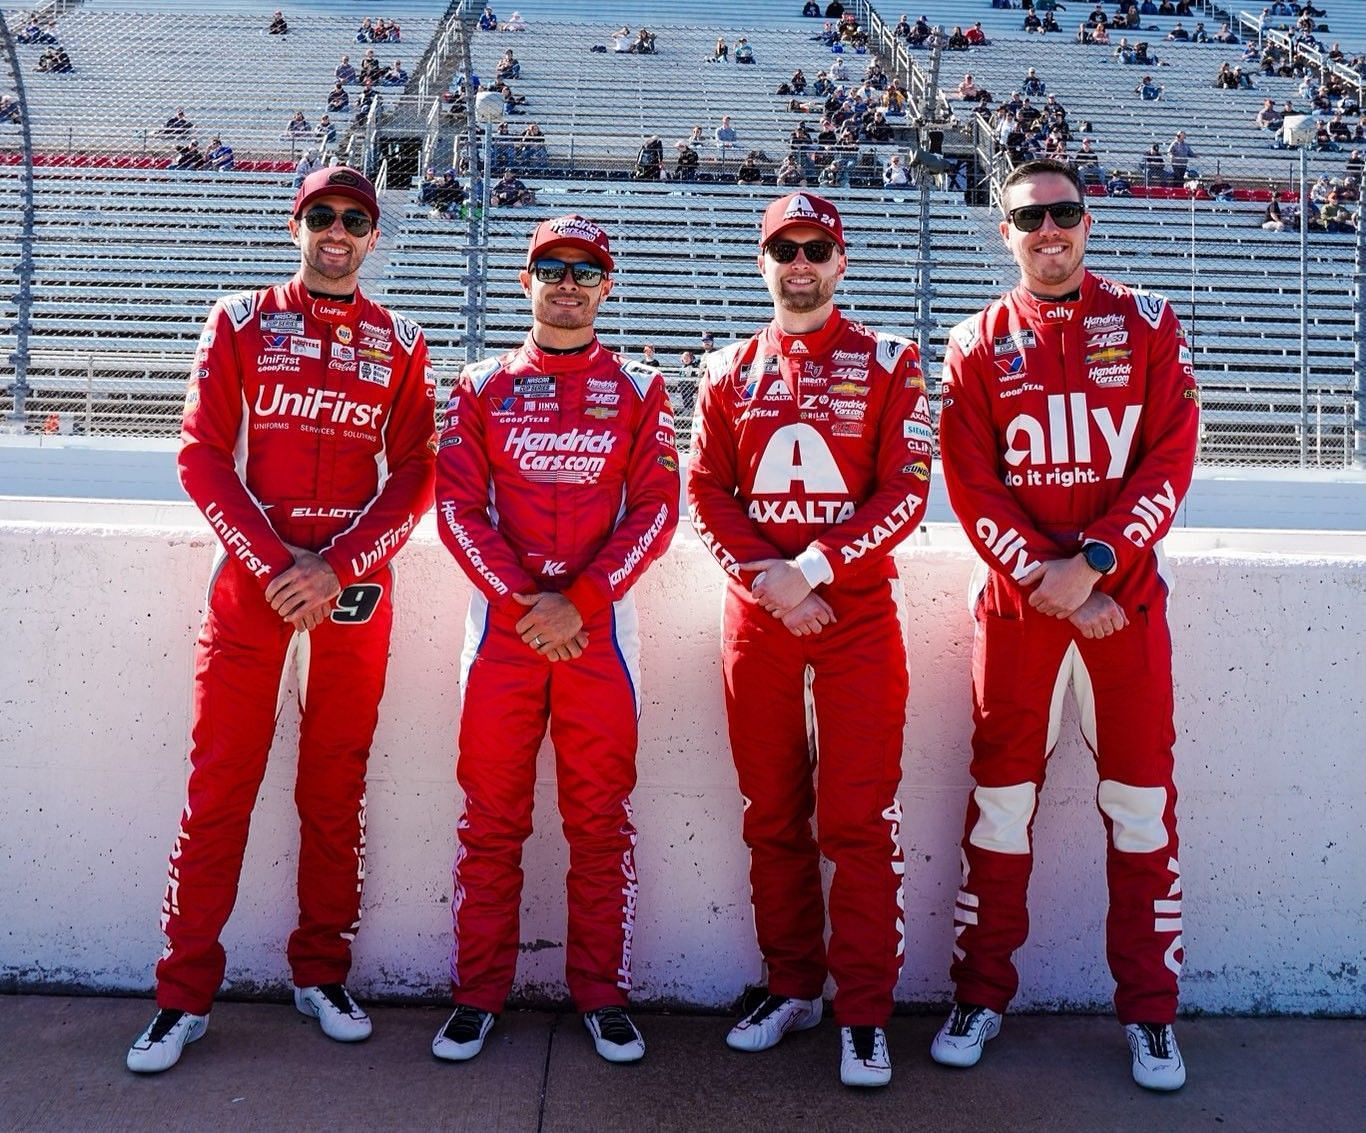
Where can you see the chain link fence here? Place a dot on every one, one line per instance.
(127, 254)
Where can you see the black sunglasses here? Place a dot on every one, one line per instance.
(552, 271)
(1029, 218)
(320, 217)
(785, 251)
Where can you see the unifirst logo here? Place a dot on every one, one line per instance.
(317, 405)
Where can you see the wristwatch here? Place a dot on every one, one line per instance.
(1098, 557)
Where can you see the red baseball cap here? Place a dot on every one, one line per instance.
(342, 181)
(798, 209)
(574, 231)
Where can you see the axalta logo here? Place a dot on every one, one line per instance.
(800, 208)
(316, 405)
(577, 456)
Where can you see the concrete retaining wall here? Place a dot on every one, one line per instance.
(95, 715)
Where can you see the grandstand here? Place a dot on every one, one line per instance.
(129, 254)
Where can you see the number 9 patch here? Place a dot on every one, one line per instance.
(356, 604)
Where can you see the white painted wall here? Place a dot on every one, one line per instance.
(101, 607)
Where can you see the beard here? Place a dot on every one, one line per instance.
(809, 299)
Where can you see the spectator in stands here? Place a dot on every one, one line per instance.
(1032, 23)
(834, 10)
(1148, 90)
(326, 133)
(957, 40)
(9, 110)
(726, 138)
(744, 53)
(838, 72)
(1336, 217)
(790, 172)
(345, 73)
(1118, 184)
(395, 34)
(1179, 153)
(650, 159)
(487, 20)
(514, 23)
(1154, 166)
(811, 10)
(297, 127)
(1225, 35)
(1353, 168)
(446, 195)
(177, 125)
(1178, 34)
(895, 173)
(278, 24)
(1101, 36)
(748, 172)
(188, 156)
(708, 342)
(967, 90)
(1200, 35)
(395, 76)
(219, 155)
(530, 153)
(686, 163)
(366, 32)
(1145, 58)
(920, 32)
(370, 68)
(1033, 86)
(33, 33)
(510, 191)
(307, 164)
(1268, 117)
(1087, 163)
(722, 52)
(976, 37)
(367, 96)
(337, 99)
(1272, 220)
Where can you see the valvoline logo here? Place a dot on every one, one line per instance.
(1012, 365)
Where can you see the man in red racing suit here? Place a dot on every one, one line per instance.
(557, 486)
(308, 445)
(810, 463)
(1068, 433)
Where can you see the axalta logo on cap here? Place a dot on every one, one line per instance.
(799, 206)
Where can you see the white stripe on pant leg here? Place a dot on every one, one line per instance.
(626, 627)
(1085, 693)
(1003, 815)
(1135, 815)
(300, 652)
(1068, 667)
(476, 626)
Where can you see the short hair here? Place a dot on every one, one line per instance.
(1038, 168)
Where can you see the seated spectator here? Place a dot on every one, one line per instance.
(370, 68)
(55, 61)
(621, 40)
(1272, 220)
(1323, 140)
(650, 160)
(515, 23)
(895, 172)
(487, 20)
(726, 137)
(839, 73)
(1032, 23)
(722, 52)
(1268, 117)
(967, 90)
(530, 153)
(797, 83)
(1050, 23)
(685, 165)
(508, 66)
(1118, 184)
(644, 42)
(9, 110)
(1178, 34)
(395, 32)
(446, 195)
(307, 164)
(1087, 163)
(744, 53)
(1221, 189)
(1335, 216)
(326, 133)
(748, 171)
(1148, 90)
(1353, 168)
(1101, 36)
(1225, 35)
(366, 32)
(35, 34)
(811, 10)
(510, 191)
(1144, 58)
(920, 33)
(1154, 166)
(345, 73)
(790, 172)
(188, 156)
(1200, 35)
(1123, 52)
(177, 125)
(1033, 86)
(278, 24)
(367, 96)
(337, 99)
(976, 37)
(834, 10)
(218, 155)
(395, 76)
(297, 127)
(957, 40)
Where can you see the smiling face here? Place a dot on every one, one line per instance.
(330, 259)
(1050, 257)
(803, 292)
(562, 314)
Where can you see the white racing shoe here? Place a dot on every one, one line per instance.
(615, 1037)
(864, 1060)
(765, 1026)
(340, 1016)
(1158, 1064)
(462, 1036)
(158, 1047)
(964, 1033)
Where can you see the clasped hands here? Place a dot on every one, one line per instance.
(1065, 588)
(784, 592)
(303, 594)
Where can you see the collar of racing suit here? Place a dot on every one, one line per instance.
(1044, 310)
(334, 309)
(561, 363)
(813, 344)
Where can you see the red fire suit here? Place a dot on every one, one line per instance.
(308, 422)
(555, 472)
(1065, 423)
(817, 447)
